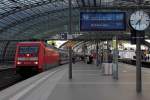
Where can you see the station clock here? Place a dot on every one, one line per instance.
(139, 20)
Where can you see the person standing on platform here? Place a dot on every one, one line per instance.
(110, 57)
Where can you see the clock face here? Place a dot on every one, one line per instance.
(139, 20)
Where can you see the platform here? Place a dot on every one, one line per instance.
(88, 83)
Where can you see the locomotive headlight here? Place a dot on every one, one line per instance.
(18, 62)
(35, 62)
(28, 55)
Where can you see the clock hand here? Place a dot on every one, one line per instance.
(138, 21)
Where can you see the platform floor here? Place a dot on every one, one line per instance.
(88, 83)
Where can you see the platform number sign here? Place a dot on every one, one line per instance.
(63, 36)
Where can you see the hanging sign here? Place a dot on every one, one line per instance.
(102, 21)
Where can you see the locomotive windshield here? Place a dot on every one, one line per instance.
(28, 50)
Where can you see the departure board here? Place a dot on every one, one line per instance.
(102, 21)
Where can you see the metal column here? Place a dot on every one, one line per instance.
(138, 63)
(138, 58)
(70, 63)
(100, 53)
(84, 52)
(108, 50)
(97, 58)
(115, 58)
(70, 32)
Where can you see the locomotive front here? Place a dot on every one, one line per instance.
(27, 58)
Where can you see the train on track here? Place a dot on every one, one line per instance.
(35, 57)
(129, 57)
(131, 54)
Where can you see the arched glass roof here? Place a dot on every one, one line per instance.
(27, 19)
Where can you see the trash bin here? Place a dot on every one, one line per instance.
(107, 68)
(107, 63)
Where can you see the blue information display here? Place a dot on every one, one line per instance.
(102, 21)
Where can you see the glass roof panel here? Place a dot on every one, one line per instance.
(25, 13)
(9, 19)
(14, 13)
(1, 11)
(20, 14)
(5, 22)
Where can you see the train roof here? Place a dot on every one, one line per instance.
(29, 42)
(39, 42)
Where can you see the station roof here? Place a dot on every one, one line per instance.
(43, 19)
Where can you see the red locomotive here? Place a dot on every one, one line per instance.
(35, 57)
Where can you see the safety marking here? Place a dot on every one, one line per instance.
(101, 83)
(33, 85)
(87, 70)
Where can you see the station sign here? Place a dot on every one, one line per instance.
(63, 36)
(102, 21)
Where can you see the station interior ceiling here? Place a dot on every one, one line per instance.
(45, 19)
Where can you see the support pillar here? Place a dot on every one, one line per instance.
(97, 58)
(70, 63)
(115, 58)
(70, 32)
(100, 54)
(84, 51)
(138, 63)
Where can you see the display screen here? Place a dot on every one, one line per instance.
(28, 50)
(102, 21)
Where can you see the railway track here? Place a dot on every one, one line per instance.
(8, 78)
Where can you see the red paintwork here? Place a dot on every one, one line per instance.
(45, 56)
